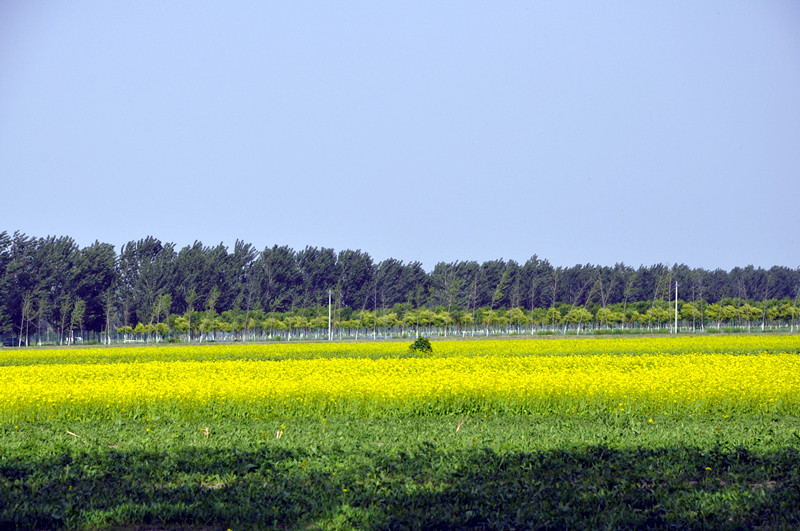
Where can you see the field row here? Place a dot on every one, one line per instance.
(522, 377)
(643, 346)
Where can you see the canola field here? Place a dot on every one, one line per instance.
(591, 433)
(644, 377)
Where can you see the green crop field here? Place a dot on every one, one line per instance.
(579, 433)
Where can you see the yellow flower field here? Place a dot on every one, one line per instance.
(663, 376)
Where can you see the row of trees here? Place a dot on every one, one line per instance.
(403, 320)
(53, 284)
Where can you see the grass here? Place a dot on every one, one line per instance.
(433, 472)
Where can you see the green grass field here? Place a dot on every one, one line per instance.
(494, 472)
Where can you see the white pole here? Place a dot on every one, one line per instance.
(330, 337)
(676, 307)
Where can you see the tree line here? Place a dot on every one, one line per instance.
(53, 284)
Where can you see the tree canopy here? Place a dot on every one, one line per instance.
(53, 283)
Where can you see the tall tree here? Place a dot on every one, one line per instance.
(415, 284)
(446, 284)
(355, 271)
(490, 276)
(5, 259)
(96, 275)
(77, 317)
(468, 274)
(191, 277)
(58, 273)
(388, 283)
(318, 274)
(146, 270)
(278, 277)
(498, 294)
(20, 281)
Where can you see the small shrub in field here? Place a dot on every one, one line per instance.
(421, 345)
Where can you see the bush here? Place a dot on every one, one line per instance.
(421, 345)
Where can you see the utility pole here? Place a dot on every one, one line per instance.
(676, 307)
(330, 337)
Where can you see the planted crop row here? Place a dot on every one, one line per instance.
(648, 378)
(378, 350)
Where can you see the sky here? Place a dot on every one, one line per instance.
(579, 131)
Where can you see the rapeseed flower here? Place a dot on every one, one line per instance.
(665, 376)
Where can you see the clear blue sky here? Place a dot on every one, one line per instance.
(584, 132)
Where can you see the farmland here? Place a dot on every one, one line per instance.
(695, 431)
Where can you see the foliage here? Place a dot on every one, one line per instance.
(422, 345)
(149, 281)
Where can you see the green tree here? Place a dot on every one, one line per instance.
(497, 296)
(603, 316)
(211, 301)
(749, 313)
(94, 275)
(553, 316)
(578, 316)
(77, 317)
(182, 325)
(729, 313)
(388, 321)
(108, 311)
(539, 316)
(161, 308)
(26, 314)
(518, 317)
(125, 331)
(689, 312)
(422, 344)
